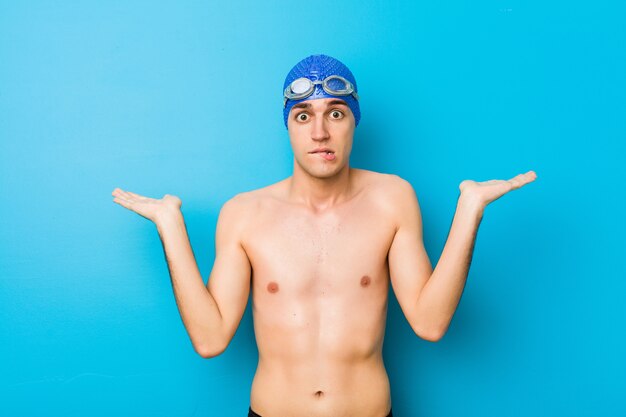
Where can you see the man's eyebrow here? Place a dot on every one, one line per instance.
(337, 101)
(301, 106)
(305, 105)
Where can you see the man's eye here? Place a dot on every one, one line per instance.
(302, 117)
(336, 114)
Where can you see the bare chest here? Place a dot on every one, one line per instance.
(294, 250)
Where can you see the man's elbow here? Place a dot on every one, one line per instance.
(431, 337)
(431, 334)
(210, 350)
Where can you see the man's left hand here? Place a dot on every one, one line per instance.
(481, 194)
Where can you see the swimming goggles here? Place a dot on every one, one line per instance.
(335, 85)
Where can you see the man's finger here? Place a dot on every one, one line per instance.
(136, 196)
(528, 177)
(522, 179)
(116, 191)
(122, 202)
(126, 195)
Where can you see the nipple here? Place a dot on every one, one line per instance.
(272, 287)
(365, 281)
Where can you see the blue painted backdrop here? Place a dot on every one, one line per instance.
(185, 98)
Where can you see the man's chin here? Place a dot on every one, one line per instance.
(328, 173)
(322, 172)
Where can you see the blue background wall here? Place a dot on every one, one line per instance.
(185, 98)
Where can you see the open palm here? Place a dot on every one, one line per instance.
(487, 191)
(150, 208)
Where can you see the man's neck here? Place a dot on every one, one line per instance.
(320, 193)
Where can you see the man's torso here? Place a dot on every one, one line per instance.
(319, 294)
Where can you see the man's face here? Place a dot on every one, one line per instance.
(321, 123)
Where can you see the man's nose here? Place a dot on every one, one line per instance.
(320, 130)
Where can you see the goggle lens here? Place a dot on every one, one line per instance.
(335, 85)
(301, 85)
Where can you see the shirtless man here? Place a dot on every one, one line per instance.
(318, 250)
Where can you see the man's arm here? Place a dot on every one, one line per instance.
(210, 314)
(429, 300)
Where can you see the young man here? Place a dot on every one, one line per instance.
(319, 250)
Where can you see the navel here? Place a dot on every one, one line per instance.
(365, 281)
(272, 287)
(319, 394)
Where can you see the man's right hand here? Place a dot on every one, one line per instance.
(151, 208)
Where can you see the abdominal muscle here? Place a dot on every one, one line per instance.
(323, 387)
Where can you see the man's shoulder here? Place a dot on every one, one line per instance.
(390, 192)
(384, 183)
(252, 199)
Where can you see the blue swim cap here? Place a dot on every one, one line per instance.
(317, 68)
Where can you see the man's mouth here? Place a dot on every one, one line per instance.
(322, 150)
(326, 154)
